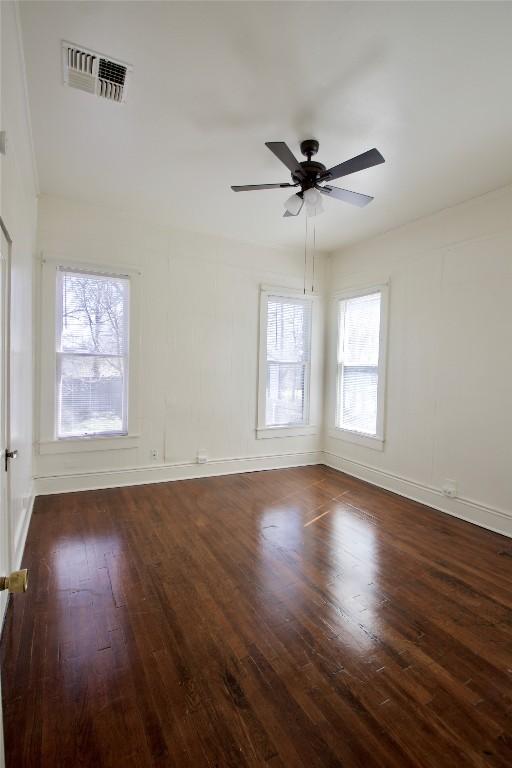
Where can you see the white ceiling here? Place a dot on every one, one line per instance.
(428, 84)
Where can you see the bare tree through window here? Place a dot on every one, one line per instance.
(92, 354)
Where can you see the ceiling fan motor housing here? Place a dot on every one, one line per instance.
(310, 168)
(311, 171)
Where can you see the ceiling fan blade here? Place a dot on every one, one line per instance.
(287, 213)
(251, 187)
(358, 163)
(283, 152)
(354, 198)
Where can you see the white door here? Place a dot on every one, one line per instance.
(5, 527)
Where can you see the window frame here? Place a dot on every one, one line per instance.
(283, 430)
(342, 433)
(48, 359)
(60, 355)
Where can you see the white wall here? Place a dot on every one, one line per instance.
(448, 413)
(199, 337)
(19, 212)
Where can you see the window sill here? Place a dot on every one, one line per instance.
(305, 429)
(376, 443)
(86, 444)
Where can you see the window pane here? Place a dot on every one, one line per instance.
(358, 359)
(94, 313)
(359, 399)
(288, 330)
(285, 394)
(361, 330)
(288, 350)
(92, 395)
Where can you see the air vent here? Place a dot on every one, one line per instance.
(94, 73)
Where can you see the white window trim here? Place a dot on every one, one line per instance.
(369, 441)
(294, 430)
(48, 442)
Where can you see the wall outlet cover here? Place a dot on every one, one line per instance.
(450, 488)
(202, 457)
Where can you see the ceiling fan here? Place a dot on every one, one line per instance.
(310, 176)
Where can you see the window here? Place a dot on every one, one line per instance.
(92, 348)
(284, 361)
(360, 364)
(288, 339)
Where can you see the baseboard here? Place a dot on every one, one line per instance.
(493, 519)
(115, 478)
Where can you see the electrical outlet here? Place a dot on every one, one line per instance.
(154, 454)
(202, 457)
(450, 488)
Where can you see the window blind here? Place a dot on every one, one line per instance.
(92, 354)
(358, 363)
(288, 357)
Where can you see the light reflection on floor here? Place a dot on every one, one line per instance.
(345, 564)
(354, 547)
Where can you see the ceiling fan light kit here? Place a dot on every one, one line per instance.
(310, 176)
(313, 202)
(294, 204)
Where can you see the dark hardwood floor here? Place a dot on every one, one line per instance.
(289, 618)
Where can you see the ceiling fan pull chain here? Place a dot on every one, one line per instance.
(305, 254)
(314, 251)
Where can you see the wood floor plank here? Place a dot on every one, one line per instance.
(297, 618)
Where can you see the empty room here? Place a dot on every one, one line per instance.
(255, 384)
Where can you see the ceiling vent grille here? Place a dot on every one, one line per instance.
(94, 73)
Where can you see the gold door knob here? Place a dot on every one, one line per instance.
(17, 581)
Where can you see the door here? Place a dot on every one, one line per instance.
(5, 520)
